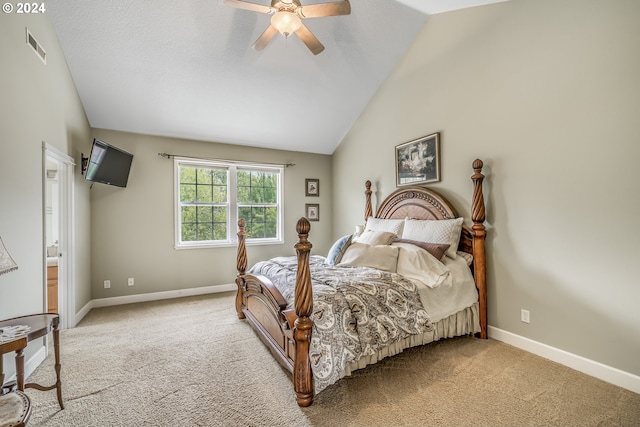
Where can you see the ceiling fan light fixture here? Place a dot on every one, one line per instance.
(286, 22)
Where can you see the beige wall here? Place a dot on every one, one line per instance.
(132, 228)
(38, 103)
(548, 94)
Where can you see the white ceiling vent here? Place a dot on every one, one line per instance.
(31, 41)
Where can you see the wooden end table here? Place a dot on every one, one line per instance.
(41, 325)
(13, 414)
(17, 345)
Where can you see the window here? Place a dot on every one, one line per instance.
(212, 196)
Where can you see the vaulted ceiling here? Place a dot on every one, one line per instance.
(186, 69)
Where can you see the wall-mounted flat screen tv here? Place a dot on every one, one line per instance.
(108, 164)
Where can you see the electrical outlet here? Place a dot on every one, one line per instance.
(525, 316)
(130, 281)
(107, 284)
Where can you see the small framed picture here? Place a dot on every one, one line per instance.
(312, 212)
(418, 161)
(312, 187)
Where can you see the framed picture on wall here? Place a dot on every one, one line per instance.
(312, 212)
(312, 187)
(418, 161)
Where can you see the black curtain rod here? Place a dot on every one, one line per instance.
(170, 156)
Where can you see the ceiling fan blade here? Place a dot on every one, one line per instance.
(309, 39)
(265, 38)
(238, 4)
(326, 9)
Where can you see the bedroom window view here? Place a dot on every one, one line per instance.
(204, 203)
(212, 196)
(258, 203)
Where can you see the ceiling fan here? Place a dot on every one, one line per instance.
(286, 18)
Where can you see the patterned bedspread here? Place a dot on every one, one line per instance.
(356, 311)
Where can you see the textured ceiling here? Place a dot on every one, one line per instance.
(186, 68)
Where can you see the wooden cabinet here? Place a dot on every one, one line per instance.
(52, 289)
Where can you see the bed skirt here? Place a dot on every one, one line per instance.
(464, 322)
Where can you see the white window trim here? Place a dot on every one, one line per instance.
(232, 217)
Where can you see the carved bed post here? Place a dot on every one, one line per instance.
(368, 211)
(303, 302)
(479, 233)
(241, 263)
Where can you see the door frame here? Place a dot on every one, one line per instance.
(66, 253)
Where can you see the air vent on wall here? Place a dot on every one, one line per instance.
(37, 48)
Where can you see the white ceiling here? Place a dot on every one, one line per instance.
(186, 68)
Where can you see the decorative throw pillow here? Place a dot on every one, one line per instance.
(382, 257)
(394, 226)
(375, 238)
(435, 231)
(438, 250)
(418, 264)
(337, 250)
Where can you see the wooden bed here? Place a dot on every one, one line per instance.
(287, 332)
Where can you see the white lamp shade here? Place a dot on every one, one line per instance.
(6, 262)
(286, 22)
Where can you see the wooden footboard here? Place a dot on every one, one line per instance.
(287, 331)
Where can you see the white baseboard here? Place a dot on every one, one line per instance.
(595, 369)
(31, 364)
(80, 315)
(34, 361)
(152, 296)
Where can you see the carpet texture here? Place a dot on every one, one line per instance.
(191, 362)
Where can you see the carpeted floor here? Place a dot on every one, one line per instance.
(191, 362)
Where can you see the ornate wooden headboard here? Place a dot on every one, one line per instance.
(425, 203)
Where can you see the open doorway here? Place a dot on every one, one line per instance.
(52, 230)
(58, 228)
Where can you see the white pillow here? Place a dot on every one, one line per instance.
(375, 238)
(380, 224)
(382, 257)
(435, 231)
(418, 264)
